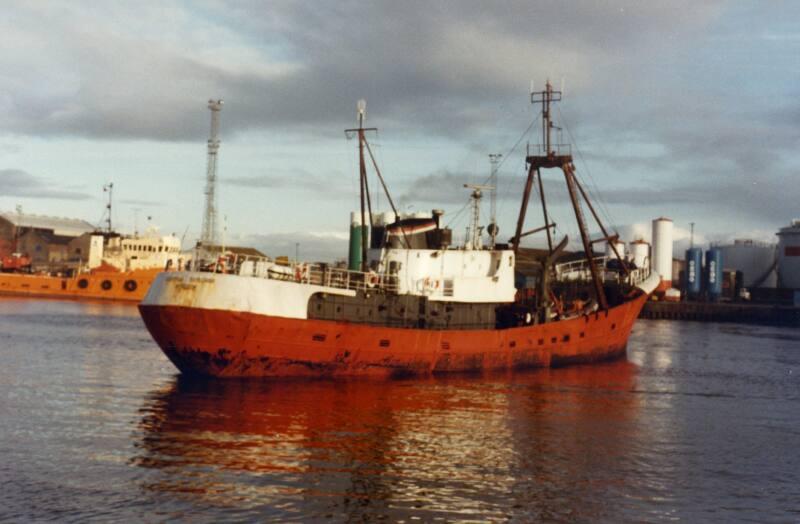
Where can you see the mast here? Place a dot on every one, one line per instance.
(360, 132)
(209, 233)
(494, 161)
(557, 156)
(361, 107)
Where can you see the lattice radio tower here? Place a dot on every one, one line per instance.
(210, 234)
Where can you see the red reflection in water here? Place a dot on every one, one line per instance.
(456, 447)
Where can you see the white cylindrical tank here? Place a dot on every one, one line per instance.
(640, 252)
(662, 249)
(789, 255)
(620, 245)
(380, 218)
(756, 261)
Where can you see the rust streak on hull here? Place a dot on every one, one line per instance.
(240, 344)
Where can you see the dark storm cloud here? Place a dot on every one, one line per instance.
(636, 80)
(440, 66)
(447, 187)
(761, 196)
(19, 183)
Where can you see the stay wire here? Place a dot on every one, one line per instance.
(497, 169)
(596, 195)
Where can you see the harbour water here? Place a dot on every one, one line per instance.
(700, 423)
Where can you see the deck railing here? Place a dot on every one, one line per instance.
(327, 275)
(303, 273)
(579, 270)
(557, 149)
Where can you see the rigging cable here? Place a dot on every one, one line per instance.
(502, 161)
(596, 196)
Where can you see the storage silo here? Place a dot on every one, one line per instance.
(789, 256)
(694, 272)
(713, 273)
(662, 250)
(640, 252)
(756, 261)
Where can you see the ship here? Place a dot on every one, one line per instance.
(409, 302)
(100, 265)
(120, 268)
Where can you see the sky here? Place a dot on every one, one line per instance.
(683, 109)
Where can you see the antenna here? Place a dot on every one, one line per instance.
(545, 98)
(108, 188)
(209, 232)
(474, 233)
(494, 161)
(361, 108)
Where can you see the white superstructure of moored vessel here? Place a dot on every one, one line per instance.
(147, 251)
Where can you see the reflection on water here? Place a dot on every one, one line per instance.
(699, 424)
(452, 448)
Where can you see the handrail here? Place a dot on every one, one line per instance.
(318, 274)
(579, 270)
(557, 149)
(325, 275)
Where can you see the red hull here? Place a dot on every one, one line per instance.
(234, 344)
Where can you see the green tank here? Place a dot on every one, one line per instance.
(356, 232)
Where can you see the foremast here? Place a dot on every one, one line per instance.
(366, 211)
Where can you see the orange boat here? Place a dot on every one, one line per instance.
(410, 303)
(127, 286)
(119, 268)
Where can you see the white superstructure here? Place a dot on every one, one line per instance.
(150, 250)
(662, 248)
(458, 275)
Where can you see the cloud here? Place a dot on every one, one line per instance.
(141, 202)
(144, 71)
(441, 187)
(328, 185)
(666, 100)
(313, 247)
(19, 183)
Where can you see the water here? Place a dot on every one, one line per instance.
(701, 423)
